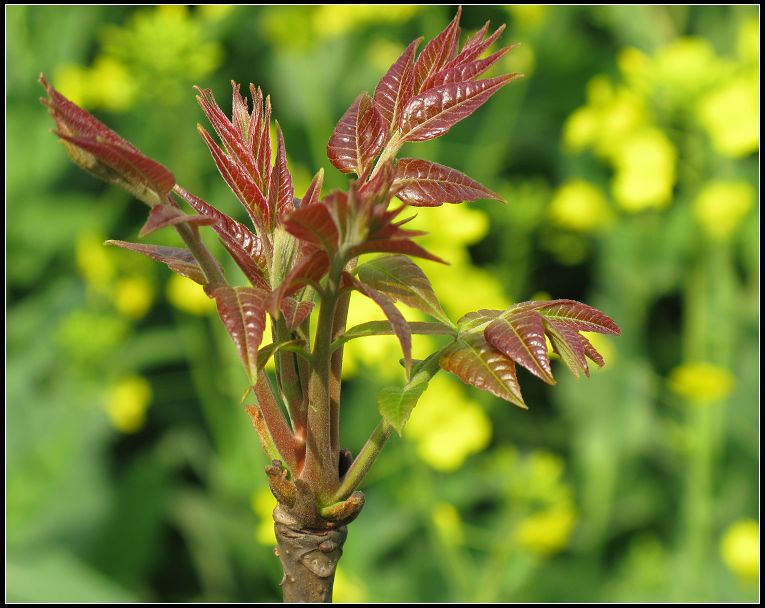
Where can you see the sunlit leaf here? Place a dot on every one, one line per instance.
(358, 137)
(384, 328)
(438, 52)
(243, 312)
(397, 86)
(479, 364)
(162, 216)
(313, 193)
(579, 316)
(282, 192)
(314, 224)
(99, 150)
(395, 404)
(521, 337)
(179, 260)
(401, 279)
(435, 111)
(422, 183)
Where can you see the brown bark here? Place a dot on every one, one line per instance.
(309, 558)
(309, 540)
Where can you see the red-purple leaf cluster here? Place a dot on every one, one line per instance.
(421, 97)
(491, 342)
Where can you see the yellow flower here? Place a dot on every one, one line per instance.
(133, 296)
(701, 382)
(107, 84)
(721, 206)
(263, 504)
(448, 523)
(94, 261)
(748, 41)
(684, 68)
(731, 115)
(740, 548)
(188, 296)
(447, 426)
(528, 16)
(581, 129)
(580, 205)
(127, 402)
(334, 20)
(645, 170)
(548, 531)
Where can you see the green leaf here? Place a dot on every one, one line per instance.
(395, 404)
(401, 279)
(265, 353)
(383, 328)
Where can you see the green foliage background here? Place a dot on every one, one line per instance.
(629, 160)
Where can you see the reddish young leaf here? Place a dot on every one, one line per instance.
(314, 224)
(468, 71)
(309, 270)
(243, 312)
(313, 193)
(99, 150)
(240, 182)
(405, 246)
(260, 135)
(397, 321)
(396, 87)
(591, 352)
(568, 344)
(579, 316)
(437, 53)
(230, 135)
(522, 338)
(475, 46)
(477, 320)
(481, 365)
(233, 234)
(358, 137)
(178, 260)
(422, 183)
(282, 192)
(240, 114)
(295, 312)
(401, 279)
(161, 216)
(433, 112)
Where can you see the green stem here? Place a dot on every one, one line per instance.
(364, 461)
(289, 380)
(204, 258)
(320, 471)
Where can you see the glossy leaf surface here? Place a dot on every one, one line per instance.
(243, 312)
(401, 279)
(423, 183)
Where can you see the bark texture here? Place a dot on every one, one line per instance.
(309, 558)
(309, 540)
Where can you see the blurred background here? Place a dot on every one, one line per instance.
(629, 160)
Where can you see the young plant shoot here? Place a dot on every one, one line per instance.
(302, 257)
